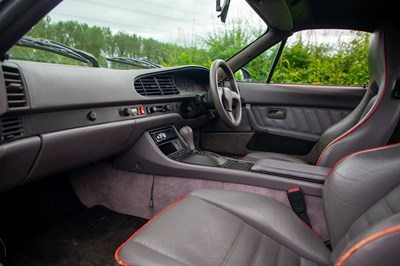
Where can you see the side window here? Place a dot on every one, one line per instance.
(331, 57)
(259, 67)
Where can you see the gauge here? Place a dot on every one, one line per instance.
(180, 85)
(188, 86)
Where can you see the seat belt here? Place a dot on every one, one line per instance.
(298, 203)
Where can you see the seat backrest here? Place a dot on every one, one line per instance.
(373, 121)
(362, 208)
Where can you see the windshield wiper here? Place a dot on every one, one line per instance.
(58, 48)
(137, 62)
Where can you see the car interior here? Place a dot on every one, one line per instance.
(189, 165)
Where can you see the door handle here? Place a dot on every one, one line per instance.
(276, 113)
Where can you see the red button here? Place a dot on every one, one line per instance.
(141, 110)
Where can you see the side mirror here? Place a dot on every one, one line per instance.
(243, 75)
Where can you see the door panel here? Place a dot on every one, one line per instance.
(299, 122)
(282, 118)
(280, 144)
(336, 97)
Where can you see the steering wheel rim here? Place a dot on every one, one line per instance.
(226, 100)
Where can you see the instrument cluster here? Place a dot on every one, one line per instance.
(187, 85)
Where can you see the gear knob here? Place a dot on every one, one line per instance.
(187, 135)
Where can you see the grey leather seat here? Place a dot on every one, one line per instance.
(217, 227)
(372, 122)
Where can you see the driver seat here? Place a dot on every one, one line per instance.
(372, 122)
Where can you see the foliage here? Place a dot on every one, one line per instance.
(303, 61)
(343, 63)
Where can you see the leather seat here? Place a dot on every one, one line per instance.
(377, 110)
(217, 227)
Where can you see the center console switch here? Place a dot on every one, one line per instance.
(169, 142)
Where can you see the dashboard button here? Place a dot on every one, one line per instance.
(92, 116)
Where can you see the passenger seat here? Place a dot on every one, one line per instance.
(217, 227)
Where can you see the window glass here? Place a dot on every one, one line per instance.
(324, 57)
(167, 33)
(334, 57)
(260, 66)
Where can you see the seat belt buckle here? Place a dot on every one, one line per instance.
(296, 199)
(298, 203)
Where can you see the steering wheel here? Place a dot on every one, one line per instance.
(226, 100)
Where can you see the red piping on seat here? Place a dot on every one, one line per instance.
(118, 260)
(358, 152)
(312, 230)
(367, 117)
(366, 241)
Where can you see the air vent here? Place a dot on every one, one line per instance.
(11, 128)
(153, 86)
(16, 96)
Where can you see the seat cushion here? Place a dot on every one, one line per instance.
(255, 156)
(216, 227)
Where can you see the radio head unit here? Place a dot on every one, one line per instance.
(169, 142)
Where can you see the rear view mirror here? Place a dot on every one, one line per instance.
(223, 9)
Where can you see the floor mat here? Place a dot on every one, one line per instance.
(44, 223)
(89, 238)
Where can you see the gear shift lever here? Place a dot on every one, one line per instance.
(187, 135)
(199, 157)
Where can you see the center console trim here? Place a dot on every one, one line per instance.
(145, 157)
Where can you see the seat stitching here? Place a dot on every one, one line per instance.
(279, 256)
(369, 239)
(234, 244)
(366, 221)
(386, 204)
(257, 250)
(228, 211)
(347, 238)
(166, 255)
(300, 261)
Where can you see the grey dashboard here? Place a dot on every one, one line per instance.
(54, 117)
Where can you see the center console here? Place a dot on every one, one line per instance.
(165, 152)
(171, 144)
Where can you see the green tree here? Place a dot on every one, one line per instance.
(304, 60)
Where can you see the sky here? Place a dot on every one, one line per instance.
(164, 20)
(176, 21)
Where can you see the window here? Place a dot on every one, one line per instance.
(142, 34)
(317, 57)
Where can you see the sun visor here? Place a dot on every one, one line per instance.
(276, 13)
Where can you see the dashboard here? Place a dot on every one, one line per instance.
(188, 85)
(56, 117)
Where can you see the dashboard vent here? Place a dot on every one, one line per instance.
(16, 96)
(11, 128)
(153, 86)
